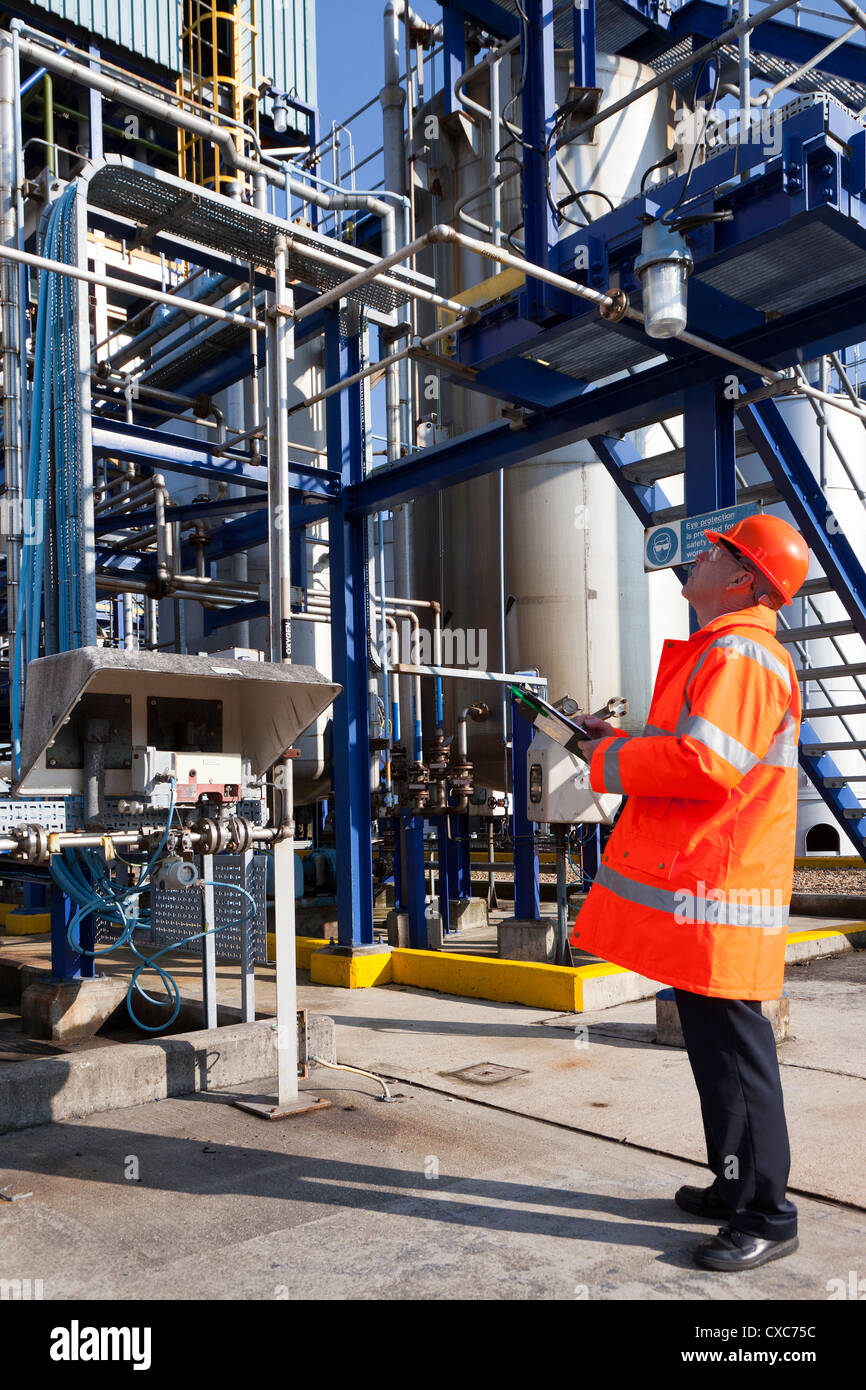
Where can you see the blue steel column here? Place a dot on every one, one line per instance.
(584, 43)
(444, 872)
(527, 898)
(711, 461)
(413, 884)
(539, 153)
(711, 476)
(453, 49)
(349, 647)
(67, 964)
(459, 857)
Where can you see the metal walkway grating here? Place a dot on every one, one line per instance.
(852, 95)
(801, 266)
(616, 25)
(158, 202)
(591, 351)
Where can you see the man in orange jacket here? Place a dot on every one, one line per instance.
(695, 884)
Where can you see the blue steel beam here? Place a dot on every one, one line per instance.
(225, 371)
(538, 105)
(627, 404)
(711, 459)
(187, 511)
(348, 557)
(213, 618)
(179, 454)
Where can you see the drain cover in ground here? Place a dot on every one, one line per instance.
(487, 1073)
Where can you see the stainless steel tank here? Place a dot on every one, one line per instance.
(578, 605)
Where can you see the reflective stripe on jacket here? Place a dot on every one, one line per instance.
(695, 884)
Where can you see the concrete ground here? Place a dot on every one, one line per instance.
(553, 1184)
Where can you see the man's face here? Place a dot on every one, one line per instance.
(716, 575)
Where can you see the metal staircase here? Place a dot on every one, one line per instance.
(763, 436)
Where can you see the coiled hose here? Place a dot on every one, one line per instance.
(99, 896)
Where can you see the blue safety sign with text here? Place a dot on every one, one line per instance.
(680, 542)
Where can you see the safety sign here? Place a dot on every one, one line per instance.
(680, 542)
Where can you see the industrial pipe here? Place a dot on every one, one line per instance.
(223, 138)
(470, 316)
(146, 292)
(444, 233)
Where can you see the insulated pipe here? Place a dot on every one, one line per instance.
(163, 540)
(406, 287)
(137, 346)
(416, 680)
(386, 676)
(470, 317)
(72, 839)
(278, 447)
(492, 61)
(495, 181)
(392, 98)
(144, 291)
(435, 606)
(395, 691)
(221, 136)
(745, 59)
(854, 11)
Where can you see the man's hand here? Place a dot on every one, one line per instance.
(588, 747)
(599, 728)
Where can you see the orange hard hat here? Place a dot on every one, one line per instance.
(774, 547)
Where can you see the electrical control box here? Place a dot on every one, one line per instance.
(212, 723)
(558, 787)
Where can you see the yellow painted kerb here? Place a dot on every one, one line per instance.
(27, 923)
(350, 972)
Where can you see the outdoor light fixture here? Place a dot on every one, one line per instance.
(281, 113)
(663, 267)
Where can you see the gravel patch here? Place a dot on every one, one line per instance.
(830, 880)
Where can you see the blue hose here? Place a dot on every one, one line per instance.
(54, 437)
(101, 897)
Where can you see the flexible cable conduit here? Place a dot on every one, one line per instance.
(53, 466)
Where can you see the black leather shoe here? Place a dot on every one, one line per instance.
(702, 1201)
(733, 1250)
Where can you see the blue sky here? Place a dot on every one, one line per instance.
(350, 68)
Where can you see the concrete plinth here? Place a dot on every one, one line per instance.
(527, 938)
(70, 1010)
(670, 1033)
(467, 912)
(397, 927)
(314, 919)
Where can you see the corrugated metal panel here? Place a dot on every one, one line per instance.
(287, 45)
(150, 28)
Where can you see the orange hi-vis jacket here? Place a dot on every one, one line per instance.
(695, 884)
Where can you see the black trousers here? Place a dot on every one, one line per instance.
(732, 1053)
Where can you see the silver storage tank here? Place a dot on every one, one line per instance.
(579, 606)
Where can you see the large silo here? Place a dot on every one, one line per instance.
(577, 604)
